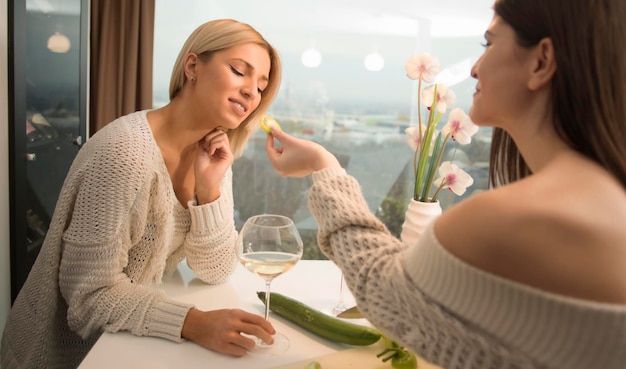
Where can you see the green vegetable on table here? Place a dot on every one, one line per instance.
(400, 357)
(321, 324)
(338, 330)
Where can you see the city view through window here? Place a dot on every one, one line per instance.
(358, 114)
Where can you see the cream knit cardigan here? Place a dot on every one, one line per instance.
(449, 312)
(117, 228)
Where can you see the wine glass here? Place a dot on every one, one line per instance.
(341, 305)
(268, 245)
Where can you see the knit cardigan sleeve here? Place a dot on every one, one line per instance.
(111, 179)
(210, 244)
(375, 265)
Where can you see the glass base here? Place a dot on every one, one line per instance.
(280, 345)
(335, 310)
(338, 309)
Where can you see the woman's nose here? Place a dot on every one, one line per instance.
(473, 71)
(250, 90)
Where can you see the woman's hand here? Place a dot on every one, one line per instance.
(213, 158)
(297, 157)
(220, 330)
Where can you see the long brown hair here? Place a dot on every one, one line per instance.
(222, 34)
(588, 88)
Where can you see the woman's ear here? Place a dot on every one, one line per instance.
(544, 66)
(191, 60)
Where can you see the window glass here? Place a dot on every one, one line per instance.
(328, 94)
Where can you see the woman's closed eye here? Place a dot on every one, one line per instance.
(238, 73)
(234, 70)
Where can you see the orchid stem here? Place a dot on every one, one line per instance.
(443, 183)
(439, 157)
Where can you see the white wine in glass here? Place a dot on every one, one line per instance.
(268, 245)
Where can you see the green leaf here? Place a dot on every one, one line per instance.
(433, 165)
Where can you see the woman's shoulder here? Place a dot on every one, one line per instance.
(550, 234)
(125, 147)
(134, 125)
(127, 137)
(575, 199)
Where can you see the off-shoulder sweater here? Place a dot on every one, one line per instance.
(448, 311)
(117, 228)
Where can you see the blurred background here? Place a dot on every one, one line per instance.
(344, 86)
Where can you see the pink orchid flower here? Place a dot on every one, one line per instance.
(453, 178)
(422, 66)
(459, 127)
(445, 97)
(413, 138)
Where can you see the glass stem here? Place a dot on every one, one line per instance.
(340, 307)
(268, 282)
(341, 304)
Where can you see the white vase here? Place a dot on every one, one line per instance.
(418, 216)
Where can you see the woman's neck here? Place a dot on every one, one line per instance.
(539, 147)
(174, 128)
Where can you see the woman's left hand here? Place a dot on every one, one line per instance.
(213, 158)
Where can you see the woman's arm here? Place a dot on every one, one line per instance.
(105, 202)
(210, 245)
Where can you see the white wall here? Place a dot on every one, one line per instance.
(5, 276)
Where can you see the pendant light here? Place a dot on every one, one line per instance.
(59, 43)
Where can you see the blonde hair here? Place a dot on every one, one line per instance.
(223, 34)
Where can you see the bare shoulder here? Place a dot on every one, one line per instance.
(564, 236)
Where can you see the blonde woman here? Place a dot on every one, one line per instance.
(148, 190)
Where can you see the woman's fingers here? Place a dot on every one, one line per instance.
(230, 331)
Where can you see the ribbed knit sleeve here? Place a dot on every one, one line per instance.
(210, 244)
(450, 314)
(166, 319)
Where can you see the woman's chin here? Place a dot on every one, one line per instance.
(474, 116)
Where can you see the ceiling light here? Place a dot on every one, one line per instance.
(374, 62)
(59, 43)
(311, 58)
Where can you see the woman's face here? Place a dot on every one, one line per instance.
(502, 76)
(229, 84)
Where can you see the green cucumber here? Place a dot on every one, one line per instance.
(323, 325)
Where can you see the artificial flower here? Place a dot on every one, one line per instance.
(444, 98)
(414, 137)
(422, 67)
(453, 178)
(459, 127)
(429, 143)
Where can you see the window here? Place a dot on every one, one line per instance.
(358, 114)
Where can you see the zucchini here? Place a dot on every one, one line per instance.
(320, 324)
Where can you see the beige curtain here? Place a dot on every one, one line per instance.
(122, 34)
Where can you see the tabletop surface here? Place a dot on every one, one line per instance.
(314, 282)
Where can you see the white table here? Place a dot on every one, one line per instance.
(314, 282)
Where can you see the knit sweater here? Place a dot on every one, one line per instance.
(448, 311)
(117, 228)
